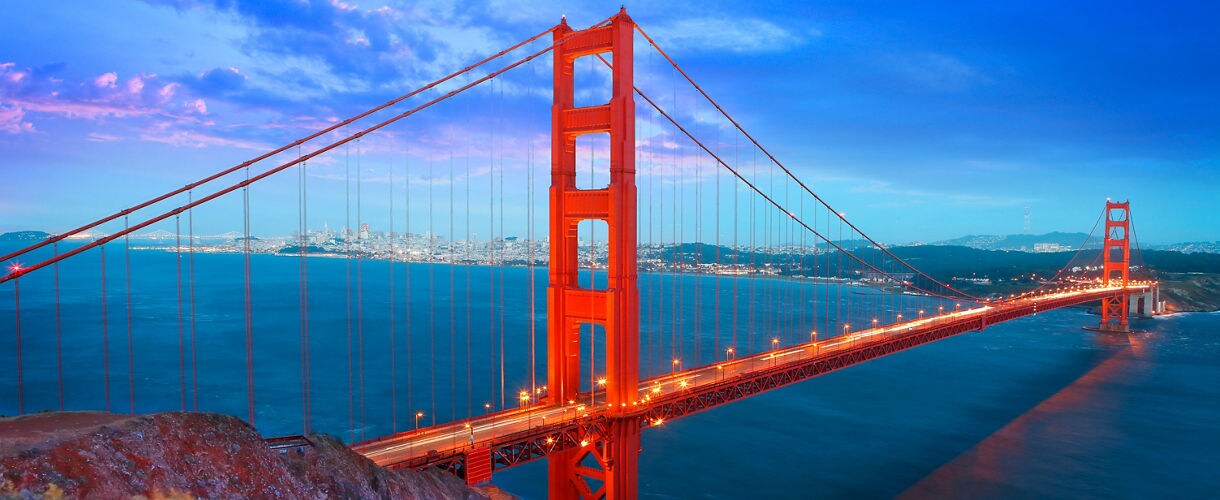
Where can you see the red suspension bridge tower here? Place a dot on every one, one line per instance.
(1116, 265)
(569, 305)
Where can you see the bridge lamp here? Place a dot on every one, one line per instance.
(729, 352)
(601, 381)
(921, 314)
(418, 415)
(899, 316)
(524, 397)
(682, 384)
(813, 335)
(846, 328)
(874, 322)
(940, 309)
(774, 342)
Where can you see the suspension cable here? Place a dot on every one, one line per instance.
(776, 204)
(272, 153)
(785, 169)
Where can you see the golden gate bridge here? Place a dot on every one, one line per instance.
(713, 282)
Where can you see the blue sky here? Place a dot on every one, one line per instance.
(921, 120)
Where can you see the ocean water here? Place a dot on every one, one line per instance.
(1034, 407)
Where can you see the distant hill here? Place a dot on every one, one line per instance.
(24, 236)
(1055, 241)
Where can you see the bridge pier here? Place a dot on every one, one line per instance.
(1147, 304)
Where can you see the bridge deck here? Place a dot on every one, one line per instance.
(528, 433)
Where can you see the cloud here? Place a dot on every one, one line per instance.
(107, 80)
(100, 137)
(718, 34)
(198, 106)
(195, 139)
(913, 196)
(220, 80)
(935, 71)
(135, 85)
(167, 91)
(12, 119)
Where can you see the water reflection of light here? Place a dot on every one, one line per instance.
(985, 469)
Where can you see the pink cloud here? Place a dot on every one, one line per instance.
(88, 110)
(12, 119)
(167, 91)
(135, 85)
(107, 80)
(187, 138)
(199, 106)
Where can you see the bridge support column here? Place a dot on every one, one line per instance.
(1116, 265)
(604, 465)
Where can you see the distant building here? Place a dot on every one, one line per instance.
(1050, 247)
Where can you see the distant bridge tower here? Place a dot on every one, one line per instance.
(605, 464)
(1116, 265)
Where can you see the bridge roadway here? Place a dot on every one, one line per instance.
(532, 431)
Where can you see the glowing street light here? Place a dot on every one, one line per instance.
(418, 415)
(921, 314)
(487, 410)
(874, 322)
(524, 396)
(728, 353)
(676, 364)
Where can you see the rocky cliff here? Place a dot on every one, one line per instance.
(183, 455)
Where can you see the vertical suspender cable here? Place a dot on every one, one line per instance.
(105, 328)
(393, 354)
(347, 246)
(467, 257)
(491, 253)
(529, 241)
(501, 260)
(190, 253)
(20, 371)
(245, 193)
(181, 319)
(360, 281)
(131, 372)
(406, 182)
(59, 338)
(452, 302)
(432, 294)
(303, 230)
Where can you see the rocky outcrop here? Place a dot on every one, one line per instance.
(183, 455)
